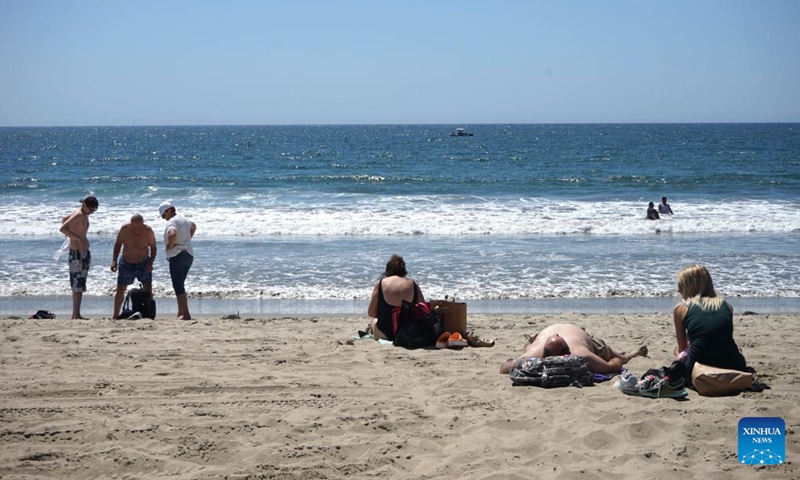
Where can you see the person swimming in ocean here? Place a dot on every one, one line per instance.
(652, 213)
(663, 207)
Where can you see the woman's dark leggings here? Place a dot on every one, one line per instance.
(179, 266)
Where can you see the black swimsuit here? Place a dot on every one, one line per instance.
(385, 324)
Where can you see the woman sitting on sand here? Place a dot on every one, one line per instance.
(389, 292)
(707, 320)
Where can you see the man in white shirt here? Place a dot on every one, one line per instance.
(178, 242)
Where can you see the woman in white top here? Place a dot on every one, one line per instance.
(178, 241)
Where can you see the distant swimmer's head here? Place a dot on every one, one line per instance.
(555, 345)
(651, 205)
(396, 266)
(664, 200)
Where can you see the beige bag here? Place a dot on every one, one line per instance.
(455, 315)
(716, 382)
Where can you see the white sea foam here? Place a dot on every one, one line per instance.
(469, 267)
(286, 246)
(204, 282)
(363, 215)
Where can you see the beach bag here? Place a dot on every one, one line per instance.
(415, 325)
(551, 372)
(138, 300)
(715, 382)
(454, 315)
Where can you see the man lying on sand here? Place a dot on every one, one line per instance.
(568, 339)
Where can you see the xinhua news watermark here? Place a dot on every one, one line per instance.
(762, 441)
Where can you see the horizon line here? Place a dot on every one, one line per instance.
(398, 124)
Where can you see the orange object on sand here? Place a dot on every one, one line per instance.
(456, 341)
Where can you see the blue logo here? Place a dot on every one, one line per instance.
(762, 441)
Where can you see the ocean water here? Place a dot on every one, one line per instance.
(514, 213)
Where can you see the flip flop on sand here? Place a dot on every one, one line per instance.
(443, 339)
(476, 341)
(457, 341)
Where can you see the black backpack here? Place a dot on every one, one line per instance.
(417, 326)
(138, 300)
(550, 372)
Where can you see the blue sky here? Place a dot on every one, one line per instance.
(112, 62)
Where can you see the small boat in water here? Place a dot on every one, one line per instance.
(460, 132)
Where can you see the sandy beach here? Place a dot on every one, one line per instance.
(291, 398)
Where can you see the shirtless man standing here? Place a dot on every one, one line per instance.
(138, 244)
(568, 339)
(75, 227)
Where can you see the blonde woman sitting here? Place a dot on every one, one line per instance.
(704, 324)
